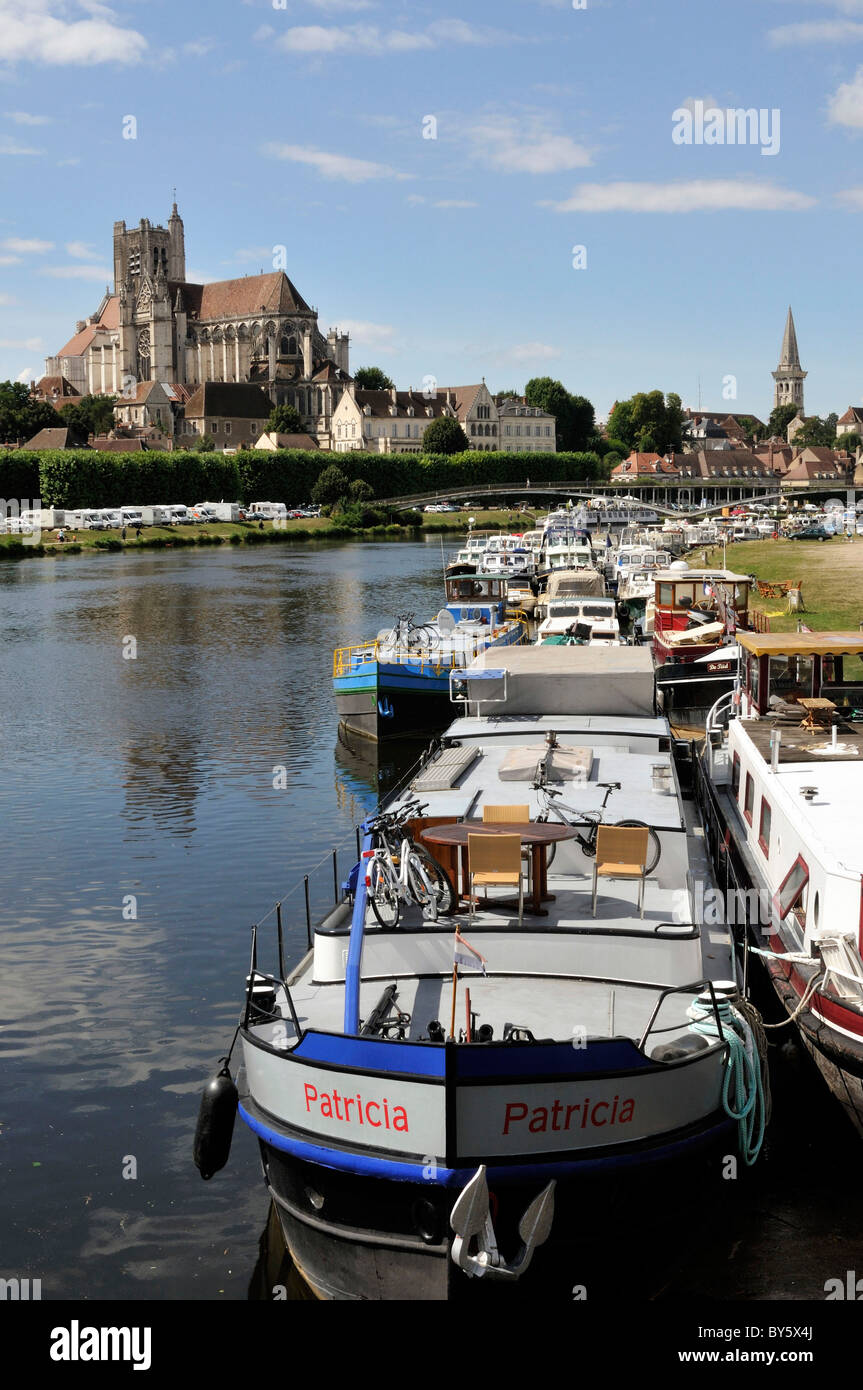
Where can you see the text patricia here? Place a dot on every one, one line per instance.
(333, 1106)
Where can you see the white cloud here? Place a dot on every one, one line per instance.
(31, 344)
(815, 31)
(333, 166)
(526, 146)
(10, 260)
(9, 145)
(366, 334)
(371, 40)
(692, 102)
(199, 48)
(24, 118)
(353, 5)
(845, 107)
(6, 299)
(26, 245)
(442, 202)
(26, 376)
(79, 272)
(82, 250)
(851, 198)
(62, 163)
(528, 352)
(695, 195)
(34, 32)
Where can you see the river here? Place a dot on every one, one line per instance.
(169, 769)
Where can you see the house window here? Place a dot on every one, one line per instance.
(749, 798)
(508, 429)
(764, 828)
(253, 427)
(214, 427)
(227, 427)
(518, 429)
(735, 777)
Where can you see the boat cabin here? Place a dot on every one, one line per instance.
(697, 610)
(782, 668)
(479, 598)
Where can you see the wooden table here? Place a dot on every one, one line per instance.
(818, 712)
(449, 839)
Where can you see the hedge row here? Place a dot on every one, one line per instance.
(87, 478)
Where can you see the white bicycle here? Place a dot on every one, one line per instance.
(401, 871)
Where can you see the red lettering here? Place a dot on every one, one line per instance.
(627, 1110)
(348, 1103)
(336, 1099)
(386, 1114)
(539, 1120)
(584, 1110)
(327, 1107)
(400, 1118)
(555, 1112)
(600, 1105)
(310, 1098)
(359, 1107)
(514, 1111)
(372, 1105)
(569, 1110)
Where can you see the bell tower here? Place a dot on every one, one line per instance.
(789, 374)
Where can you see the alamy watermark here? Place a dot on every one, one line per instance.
(737, 907)
(697, 124)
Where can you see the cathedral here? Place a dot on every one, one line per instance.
(158, 326)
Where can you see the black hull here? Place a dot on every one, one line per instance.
(362, 1238)
(414, 715)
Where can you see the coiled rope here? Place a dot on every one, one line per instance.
(745, 1087)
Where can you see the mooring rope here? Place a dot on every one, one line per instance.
(744, 1075)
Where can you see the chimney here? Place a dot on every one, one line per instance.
(393, 394)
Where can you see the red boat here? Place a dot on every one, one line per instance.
(698, 611)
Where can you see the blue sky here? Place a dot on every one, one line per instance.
(302, 124)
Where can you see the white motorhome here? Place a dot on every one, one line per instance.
(221, 511)
(268, 511)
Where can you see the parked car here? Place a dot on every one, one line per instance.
(814, 533)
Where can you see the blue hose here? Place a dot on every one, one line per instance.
(742, 1089)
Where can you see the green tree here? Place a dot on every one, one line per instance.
(445, 436)
(850, 442)
(204, 444)
(360, 490)
(574, 415)
(751, 428)
(331, 486)
(817, 433)
(372, 379)
(285, 419)
(21, 416)
(648, 422)
(89, 415)
(780, 418)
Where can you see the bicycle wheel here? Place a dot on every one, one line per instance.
(654, 848)
(442, 901)
(383, 895)
(589, 847)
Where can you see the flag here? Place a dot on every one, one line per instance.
(466, 956)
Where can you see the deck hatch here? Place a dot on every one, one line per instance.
(443, 774)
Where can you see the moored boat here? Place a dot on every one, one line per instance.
(450, 1098)
(397, 684)
(779, 781)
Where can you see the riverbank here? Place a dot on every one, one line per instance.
(831, 575)
(251, 533)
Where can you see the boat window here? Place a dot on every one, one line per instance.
(791, 891)
(790, 677)
(684, 595)
(735, 776)
(842, 680)
(666, 593)
(749, 797)
(753, 677)
(764, 827)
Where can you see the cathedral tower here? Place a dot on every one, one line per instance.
(789, 374)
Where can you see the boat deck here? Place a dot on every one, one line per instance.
(799, 745)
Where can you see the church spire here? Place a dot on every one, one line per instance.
(789, 357)
(789, 374)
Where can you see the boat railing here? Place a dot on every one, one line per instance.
(695, 989)
(348, 660)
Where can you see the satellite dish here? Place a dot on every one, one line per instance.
(679, 566)
(445, 620)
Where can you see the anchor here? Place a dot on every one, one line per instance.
(471, 1219)
(385, 709)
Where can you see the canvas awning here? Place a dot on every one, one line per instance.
(802, 643)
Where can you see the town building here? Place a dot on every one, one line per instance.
(155, 326)
(230, 413)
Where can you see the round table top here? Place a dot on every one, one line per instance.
(530, 832)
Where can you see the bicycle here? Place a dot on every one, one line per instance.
(401, 871)
(407, 633)
(591, 821)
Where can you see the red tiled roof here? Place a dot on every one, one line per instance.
(249, 296)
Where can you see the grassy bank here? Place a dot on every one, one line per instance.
(249, 533)
(831, 573)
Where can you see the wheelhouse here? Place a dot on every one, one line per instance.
(783, 668)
